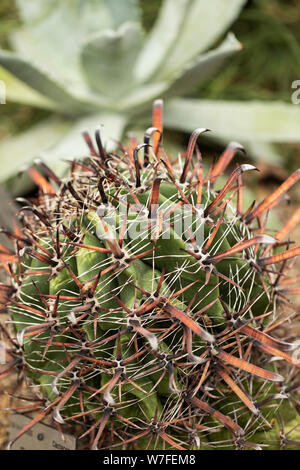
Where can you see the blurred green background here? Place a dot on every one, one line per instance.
(264, 69)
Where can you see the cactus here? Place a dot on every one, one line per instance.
(150, 306)
(90, 62)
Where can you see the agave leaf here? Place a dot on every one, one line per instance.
(61, 26)
(108, 58)
(19, 151)
(32, 10)
(161, 38)
(42, 83)
(17, 91)
(265, 152)
(55, 31)
(140, 97)
(6, 218)
(205, 66)
(204, 23)
(242, 121)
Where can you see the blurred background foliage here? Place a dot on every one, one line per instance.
(13, 117)
(270, 61)
(264, 69)
(268, 64)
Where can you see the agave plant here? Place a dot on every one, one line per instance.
(150, 306)
(91, 63)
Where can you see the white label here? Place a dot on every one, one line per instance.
(39, 437)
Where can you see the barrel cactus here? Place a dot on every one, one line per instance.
(149, 306)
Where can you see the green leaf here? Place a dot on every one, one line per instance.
(120, 12)
(236, 120)
(108, 59)
(123, 11)
(73, 146)
(19, 151)
(39, 81)
(55, 30)
(162, 37)
(264, 152)
(18, 92)
(204, 23)
(31, 10)
(6, 220)
(205, 66)
(53, 141)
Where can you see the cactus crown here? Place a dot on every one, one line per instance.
(143, 301)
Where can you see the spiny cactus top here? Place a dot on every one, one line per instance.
(151, 307)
